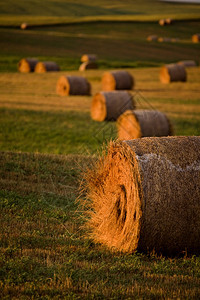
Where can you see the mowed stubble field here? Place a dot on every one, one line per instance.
(48, 141)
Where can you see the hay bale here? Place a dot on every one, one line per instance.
(196, 38)
(108, 106)
(143, 123)
(27, 65)
(88, 66)
(164, 39)
(46, 66)
(145, 195)
(152, 38)
(188, 63)
(24, 26)
(88, 58)
(172, 72)
(117, 80)
(73, 85)
(162, 22)
(169, 21)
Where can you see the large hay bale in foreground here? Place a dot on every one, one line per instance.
(188, 63)
(46, 66)
(27, 65)
(143, 123)
(88, 57)
(73, 85)
(172, 72)
(145, 195)
(196, 38)
(88, 66)
(117, 80)
(108, 106)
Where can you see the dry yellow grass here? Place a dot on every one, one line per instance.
(148, 91)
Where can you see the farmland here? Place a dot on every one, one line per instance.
(48, 141)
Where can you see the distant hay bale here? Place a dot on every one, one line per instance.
(88, 58)
(117, 80)
(143, 123)
(88, 66)
(172, 72)
(27, 65)
(164, 39)
(73, 85)
(144, 195)
(46, 66)
(188, 63)
(152, 38)
(168, 21)
(196, 38)
(108, 106)
(162, 22)
(24, 26)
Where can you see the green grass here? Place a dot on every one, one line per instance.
(56, 132)
(49, 11)
(44, 253)
(68, 132)
(118, 45)
(48, 142)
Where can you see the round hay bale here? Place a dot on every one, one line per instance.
(143, 123)
(144, 195)
(24, 26)
(196, 38)
(117, 80)
(152, 38)
(88, 66)
(108, 106)
(46, 66)
(164, 39)
(27, 65)
(73, 85)
(172, 72)
(168, 21)
(188, 63)
(88, 58)
(162, 22)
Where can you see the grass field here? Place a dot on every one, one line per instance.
(48, 141)
(65, 11)
(40, 220)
